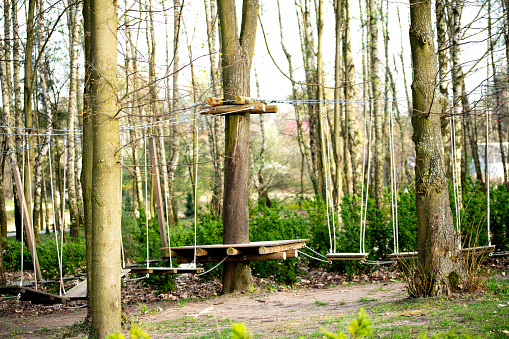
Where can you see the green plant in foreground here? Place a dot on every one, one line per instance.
(134, 333)
(239, 331)
(358, 328)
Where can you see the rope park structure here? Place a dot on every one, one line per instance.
(189, 256)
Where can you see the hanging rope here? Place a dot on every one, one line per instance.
(31, 207)
(330, 190)
(195, 141)
(121, 181)
(326, 184)
(22, 214)
(487, 173)
(213, 268)
(146, 194)
(54, 212)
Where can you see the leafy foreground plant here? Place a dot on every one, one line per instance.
(358, 328)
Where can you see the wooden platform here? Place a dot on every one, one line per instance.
(33, 295)
(166, 270)
(79, 291)
(347, 256)
(469, 251)
(253, 251)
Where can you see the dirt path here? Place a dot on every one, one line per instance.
(272, 313)
(275, 314)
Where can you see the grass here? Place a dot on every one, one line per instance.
(321, 303)
(483, 314)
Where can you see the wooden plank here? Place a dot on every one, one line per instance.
(404, 255)
(232, 109)
(166, 270)
(234, 258)
(157, 192)
(347, 256)
(27, 220)
(252, 244)
(280, 248)
(214, 101)
(78, 292)
(32, 295)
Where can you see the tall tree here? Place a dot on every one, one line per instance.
(237, 52)
(74, 12)
(437, 241)
(106, 207)
(378, 167)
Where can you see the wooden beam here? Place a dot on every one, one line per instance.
(166, 270)
(271, 109)
(200, 252)
(280, 248)
(214, 101)
(235, 258)
(157, 192)
(292, 254)
(27, 220)
(240, 100)
(233, 251)
(232, 109)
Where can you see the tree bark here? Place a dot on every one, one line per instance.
(378, 167)
(443, 79)
(106, 206)
(73, 13)
(437, 241)
(237, 53)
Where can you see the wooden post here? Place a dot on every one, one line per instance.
(157, 192)
(27, 221)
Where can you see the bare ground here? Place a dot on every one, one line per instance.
(276, 314)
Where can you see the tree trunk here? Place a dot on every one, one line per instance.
(457, 78)
(87, 148)
(237, 53)
(301, 136)
(73, 13)
(106, 206)
(437, 241)
(214, 124)
(307, 44)
(378, 167)
(443, 79)
(27, 93)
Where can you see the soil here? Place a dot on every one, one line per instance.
(264, 310)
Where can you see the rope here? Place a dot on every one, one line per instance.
(213, 268)
(146, 194)
(487, 173)
(31, 207)
(377, 262)
(22, 214)
(136, 279)
(63, 220)
(121, 180)
(330, 190)
(326, 184)
(315, 252)
(54, 212)
(195, 185)
(315, 258)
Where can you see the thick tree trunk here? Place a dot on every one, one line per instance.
(237, 53)
(106, 206)
(437, 241)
